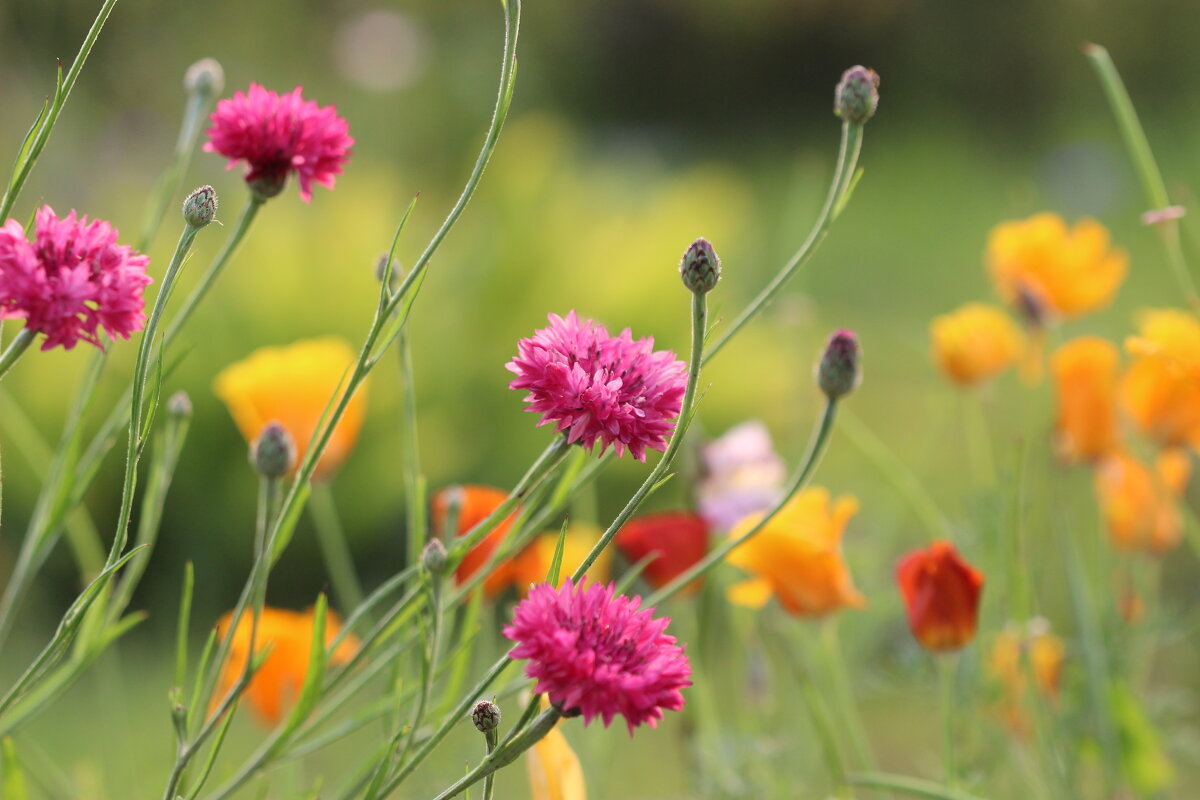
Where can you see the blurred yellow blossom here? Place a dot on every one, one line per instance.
(975, 342)
(1085, 376)
(1161, 389)
(1139, 504)
(578, 542)
(1046, 653)
(292, 385)
(1052, 271)
(276, 684)
(553, 768)
(797, 557)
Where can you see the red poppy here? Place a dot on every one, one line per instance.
(677, 539)
(941, 591)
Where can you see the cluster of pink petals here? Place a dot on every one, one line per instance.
(600, 387)
(598, 654)
(71, 280)
(279, 134)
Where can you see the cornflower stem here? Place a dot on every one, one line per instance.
(429, 662)
(410, 455)
(1144, 163)
(16, 348)
(504, 756)
(948, 670)
(912, 787)
(137, 434)
(335, 551)
(816, 446)
(29, 155)
(249, 212)
(686, 409)
(254, 593)
(843, 175)
(489, 747)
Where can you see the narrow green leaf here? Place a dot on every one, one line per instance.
(556, 562)
(181, 629)
(914, 787)
(13, 785)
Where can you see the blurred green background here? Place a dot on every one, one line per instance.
(637, 126)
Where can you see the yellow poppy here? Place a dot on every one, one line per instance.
(797, 557)
(553, 768)
(277, 683)
(1085, 375)
(1161, 389)
(1046, 653)
(1052, 270)
(975, 342)
(292, 385)
(1139, 505)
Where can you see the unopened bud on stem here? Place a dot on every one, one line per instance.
(273, 453)
(200, 207)
(180, 405)
(486, 716)
(857, 95)
(205, 77)
(700, 268)
(840, 370)
(433, 557)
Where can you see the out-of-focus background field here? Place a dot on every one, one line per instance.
(637, 126)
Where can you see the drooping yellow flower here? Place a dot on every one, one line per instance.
(277, 683)
(1139, 504)
(553, 768)
(1046, 653)
(975, 342)
(1061, 272)
(797, 557)
(1161, 389)
(292, 385)
(1085, 375)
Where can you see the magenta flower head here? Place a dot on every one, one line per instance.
(594, 386)
(71, 280)
(277, 135)
(598, 654)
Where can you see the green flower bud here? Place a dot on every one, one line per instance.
(273, 453)
(180, 405)
(486, 716)
(200, 207)
(700, 268)
(857, 95)
(433, 557)
(268, 185)
(840, 370)
(205, 77)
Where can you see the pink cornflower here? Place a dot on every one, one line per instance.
(71, 280)
(596, 386)
(598, 655)
(279, 134)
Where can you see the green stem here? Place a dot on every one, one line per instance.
(843, 173)
(816, 447)
(506, 755)
(687, 407)
(61, 92)
(140, 371)
(489, 748)
(16, 348)
(1138, 147)
(914, 787)
(334, 549)
(899, 474)
(947, 669)
(411, 456)
(835, 666)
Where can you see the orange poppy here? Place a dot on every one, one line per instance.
(975, 342)
(1140, 505)
(1085, 377)
(476, 503)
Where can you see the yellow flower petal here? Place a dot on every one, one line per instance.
(554, 771)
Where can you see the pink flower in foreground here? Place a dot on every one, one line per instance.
(596, 386)
(71, 280)
(598, 654)
(279, 134)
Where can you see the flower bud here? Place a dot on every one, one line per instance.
(700, 267)
(268, 184)
(857, 95)
(200, 207)
(486, 716)
(273, 453)
(180, 405)
(205, 77)
(840, 370)
(433, 557)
